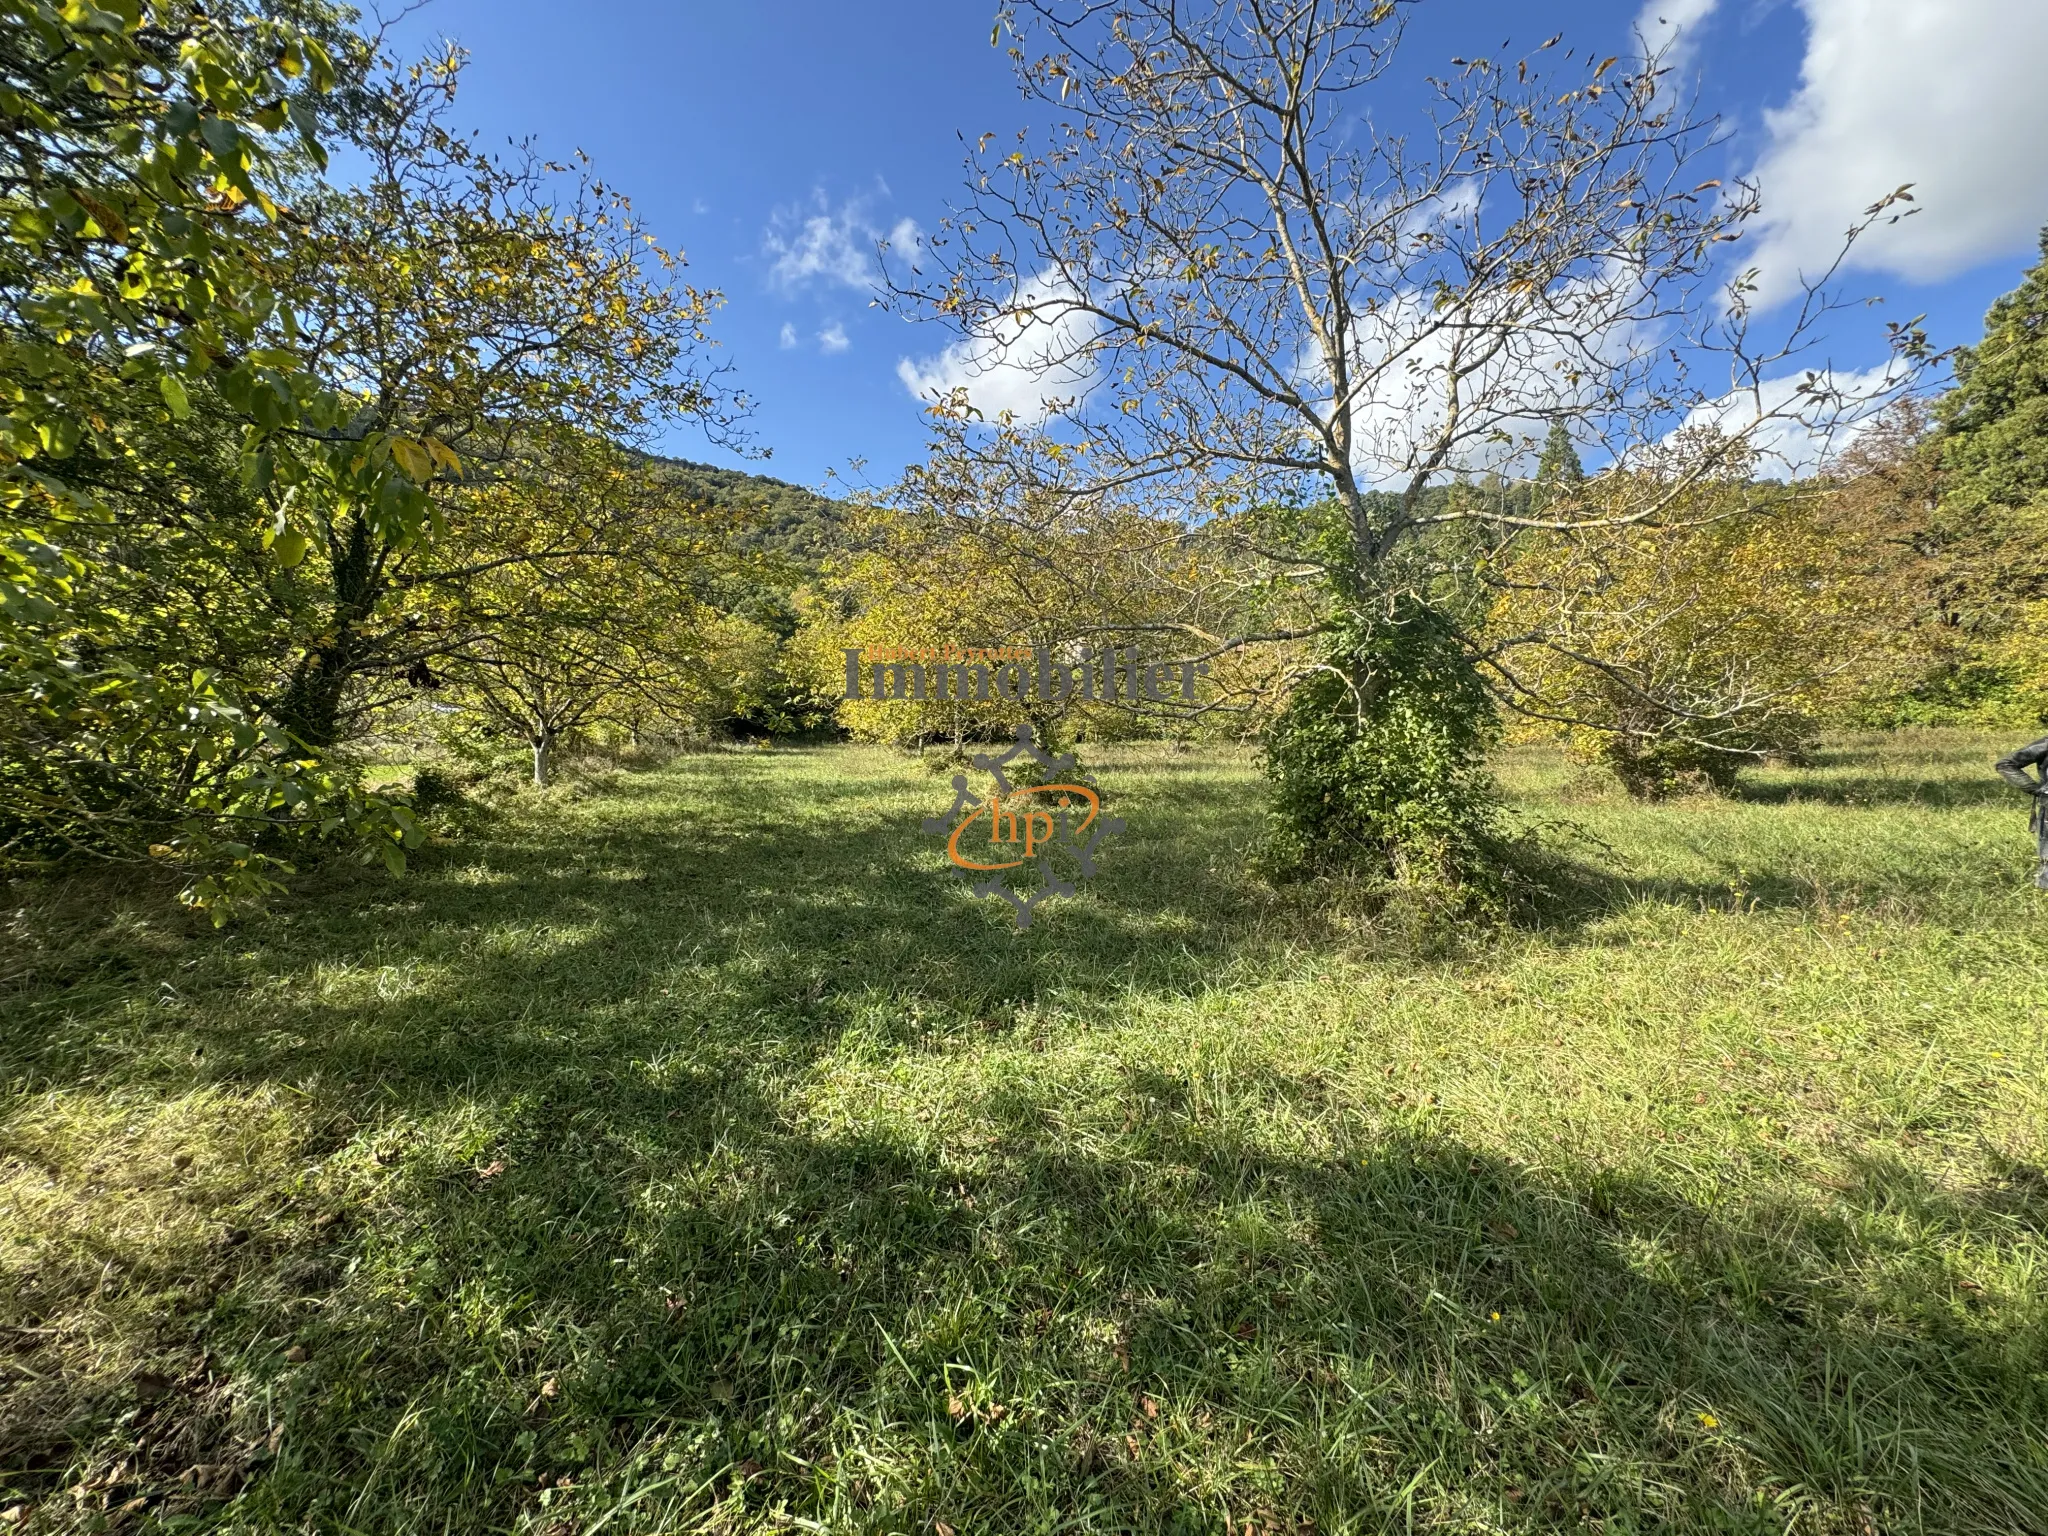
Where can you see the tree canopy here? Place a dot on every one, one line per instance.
(272, 438)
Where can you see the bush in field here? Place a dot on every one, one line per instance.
(1374, 762)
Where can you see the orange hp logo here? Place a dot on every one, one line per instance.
(1053, 828)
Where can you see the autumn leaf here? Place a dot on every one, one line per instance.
(414, 459)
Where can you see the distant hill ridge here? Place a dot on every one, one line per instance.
(797, 522)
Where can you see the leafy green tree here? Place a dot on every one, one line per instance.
(1679, 654)
(143, 151)
(1994, 423)
(497, 315)
(581, 599)
(259, 414)
(1991, 521)
(1963, 490)
(955, 561)
(1355, 771)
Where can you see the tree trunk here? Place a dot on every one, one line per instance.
(542, 744)
(311, 705)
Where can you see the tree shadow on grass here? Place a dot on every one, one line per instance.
(1130, 1312)
(1568, 892)
(771, 921)
(564, 1215)
(667, 974)
(1880, 790)
(801, 912)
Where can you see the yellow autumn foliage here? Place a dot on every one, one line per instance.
(1680, 651)
(946, 581)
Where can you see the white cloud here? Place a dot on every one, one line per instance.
(1799, 422)
(906, 243)
(833, 339)
(788, 335)
(1673, 26)
(835, 245)
(828, 245)
(1021, 364)
(1945, 94)
(1559, 349)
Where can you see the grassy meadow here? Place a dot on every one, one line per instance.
(684, 1150)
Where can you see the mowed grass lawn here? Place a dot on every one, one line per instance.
(689, 1152)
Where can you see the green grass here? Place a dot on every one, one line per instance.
(687, 1152)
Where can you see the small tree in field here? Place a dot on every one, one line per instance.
(1220, 285)
(575, 596)
(964, 562)
(1680, 653)
(507, 310)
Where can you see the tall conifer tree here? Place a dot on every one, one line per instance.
(1559, 466)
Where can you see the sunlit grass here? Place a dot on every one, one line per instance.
(692, 1153)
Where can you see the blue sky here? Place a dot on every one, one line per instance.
(767, 138)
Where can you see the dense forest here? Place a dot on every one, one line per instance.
(784, 519)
